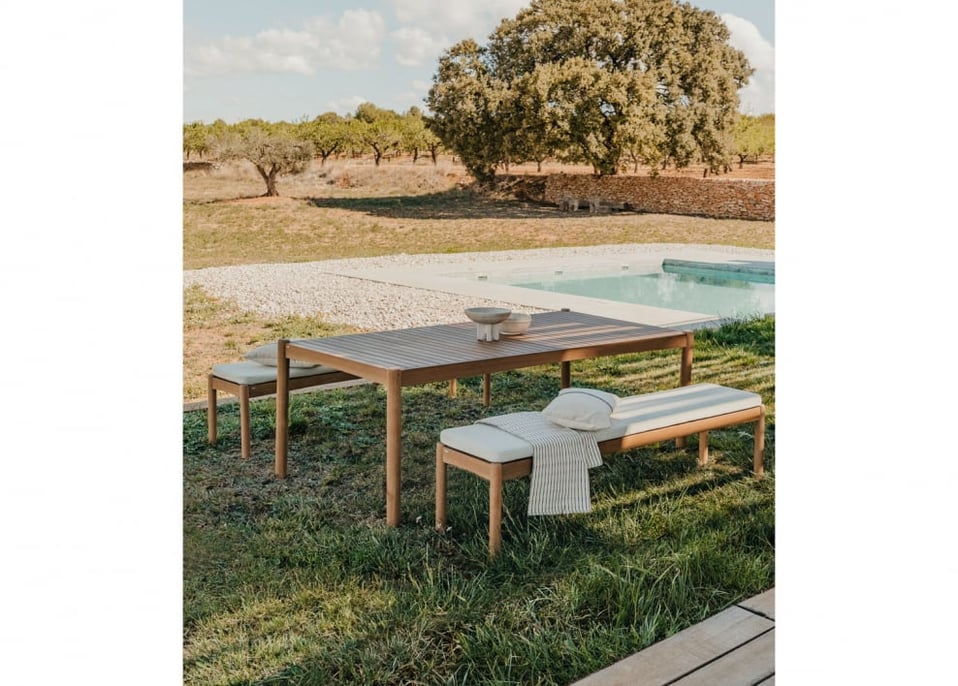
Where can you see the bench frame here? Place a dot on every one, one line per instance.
(247, 391)
(497, 473)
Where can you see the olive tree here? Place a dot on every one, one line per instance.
(753, 137)
(274, 149)
(327, 133)
(603, 81)
(378, 129)
(196, 139)
(416, 136)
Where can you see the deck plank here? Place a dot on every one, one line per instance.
(763, 604)
(685, 652)
(752, 663)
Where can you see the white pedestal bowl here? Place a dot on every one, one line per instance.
(487, 321)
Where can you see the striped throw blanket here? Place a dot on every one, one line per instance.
(561, 459)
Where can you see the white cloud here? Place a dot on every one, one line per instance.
(414, 95)
(352, 42)
(758, 97)
(457, 19)
(431, 26)
(416, 47)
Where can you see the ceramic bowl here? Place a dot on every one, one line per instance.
(487, 315)
(515, 324)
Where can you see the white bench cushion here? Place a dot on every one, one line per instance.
(633, 414)
(250, 373)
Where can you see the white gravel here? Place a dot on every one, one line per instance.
(321, 288)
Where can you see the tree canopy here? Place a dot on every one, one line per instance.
(281, 148)
(594, 81)
(754, 137)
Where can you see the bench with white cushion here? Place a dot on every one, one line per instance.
(252, 380)
(498, 456)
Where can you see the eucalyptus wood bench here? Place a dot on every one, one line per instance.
(497, 456)
(252, 380)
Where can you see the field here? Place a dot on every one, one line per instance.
(354, 209)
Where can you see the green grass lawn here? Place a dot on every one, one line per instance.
(299, 581)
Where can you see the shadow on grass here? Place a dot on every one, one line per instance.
(451, 204)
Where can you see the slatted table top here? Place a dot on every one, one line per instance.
(443, 351)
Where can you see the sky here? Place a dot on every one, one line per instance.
(292, 59)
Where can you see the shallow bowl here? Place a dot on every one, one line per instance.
(487, 315)
(515, 324)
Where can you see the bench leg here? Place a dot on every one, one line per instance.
(703, 448)
(758, 459)
(440, 489)
(210, 411)
(495, 511)
(244, 422)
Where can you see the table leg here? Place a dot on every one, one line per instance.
(565, 374)
(210, 411)
(685, 374)
(486, 389)
(393, 446)
(282, 407)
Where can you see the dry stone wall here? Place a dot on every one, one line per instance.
(718, 198)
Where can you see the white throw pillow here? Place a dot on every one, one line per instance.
(586, 409)
(266, 355)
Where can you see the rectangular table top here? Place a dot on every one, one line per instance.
(441, 352)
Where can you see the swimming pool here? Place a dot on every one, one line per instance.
(720, 290)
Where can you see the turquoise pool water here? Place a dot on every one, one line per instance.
(678, 287)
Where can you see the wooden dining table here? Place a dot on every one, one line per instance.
(419, 355)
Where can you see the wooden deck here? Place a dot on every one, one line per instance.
(735, 647)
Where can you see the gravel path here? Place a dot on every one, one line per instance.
(321, 289)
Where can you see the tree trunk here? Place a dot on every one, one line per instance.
(271, 191)
(270, 178)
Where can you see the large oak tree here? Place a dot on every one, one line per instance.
(598, 81)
